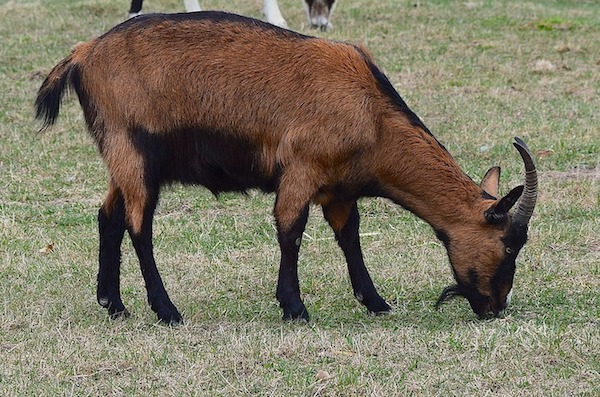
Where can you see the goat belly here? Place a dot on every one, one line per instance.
(218, 160)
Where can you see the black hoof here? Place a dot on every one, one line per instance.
(297, 312)
(115, 308)
(173, 319)
(379, 307)
(167, 313)
(120, 314)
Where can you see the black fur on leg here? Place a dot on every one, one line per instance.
(349, 241)
(288, 286)
(111, 229)
(157, 295)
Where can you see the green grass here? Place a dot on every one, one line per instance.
(477, 73)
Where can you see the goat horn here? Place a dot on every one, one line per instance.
(527, 202)
(448, 293)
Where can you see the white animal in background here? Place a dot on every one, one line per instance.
(318, 12)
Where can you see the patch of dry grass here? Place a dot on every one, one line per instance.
(473, 71)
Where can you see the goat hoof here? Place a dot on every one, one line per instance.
(296, 313)
(173, 320)
(382, 313)
(380, 308)
(115, 308)
(170, 318)
(167, 312)
(118, 314)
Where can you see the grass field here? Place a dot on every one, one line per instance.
(476, 72)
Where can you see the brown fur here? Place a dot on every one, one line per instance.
(491, 181)
(160, 84)
(126, 167)
(337, 215)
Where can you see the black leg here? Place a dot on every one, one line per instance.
(111, 227)
(157, 295)
(136, 6)
(288, 286)
(345, 222)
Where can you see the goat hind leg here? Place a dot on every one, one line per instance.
(126, 154)
(111, 228)
(142, 242)
(344, 219)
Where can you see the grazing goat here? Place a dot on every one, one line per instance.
(192, 99)
(318, 12)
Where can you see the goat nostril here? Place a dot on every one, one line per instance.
(499, 312)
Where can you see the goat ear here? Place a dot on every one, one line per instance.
(498, 211)
(491, 181)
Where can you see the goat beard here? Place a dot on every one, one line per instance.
(447, 294)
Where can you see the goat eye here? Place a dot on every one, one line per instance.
(508, 250)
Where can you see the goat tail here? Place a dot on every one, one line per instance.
(50, 94)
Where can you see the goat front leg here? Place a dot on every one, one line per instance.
(111, 228)
(291, 214)
(288, 285)
(344, 219)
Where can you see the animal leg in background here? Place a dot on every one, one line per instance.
(273, 13)
(136, 7)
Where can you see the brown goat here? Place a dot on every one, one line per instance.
(233, 103)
